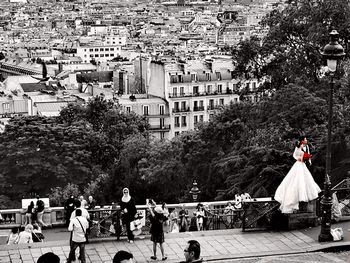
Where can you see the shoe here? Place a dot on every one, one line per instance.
(154, 258)
(164, 258)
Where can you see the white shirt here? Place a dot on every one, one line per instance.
(78, 232)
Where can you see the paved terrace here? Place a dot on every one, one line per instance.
(217, 245)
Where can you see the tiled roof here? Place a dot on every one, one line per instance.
(30, 87)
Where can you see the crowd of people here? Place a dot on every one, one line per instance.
(192, 254)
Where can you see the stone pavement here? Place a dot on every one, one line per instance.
(217, 246)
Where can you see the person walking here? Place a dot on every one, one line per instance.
(157, 233)
(78, 226)
(128, 212)
(298, 185)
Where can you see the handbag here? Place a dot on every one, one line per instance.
(86, 235)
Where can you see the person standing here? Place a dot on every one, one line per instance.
(298, 185)
(128, 212)
(69, 207)
(78, 226)
(29, 212)
(157, 233)
(40, 207)
(183, 215)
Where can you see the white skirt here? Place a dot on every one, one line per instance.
(297, 186)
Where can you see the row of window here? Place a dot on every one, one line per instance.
(145, 109)
(99, 55)
(196, 104)
(100, 49)
(195, 89)
(183, 123)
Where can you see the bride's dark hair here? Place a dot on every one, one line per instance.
(300, 139)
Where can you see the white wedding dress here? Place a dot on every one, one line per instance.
(297, 186)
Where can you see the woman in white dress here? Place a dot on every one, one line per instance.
(298, 185)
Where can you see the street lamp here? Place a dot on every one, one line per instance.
(195, 191)
(332, 52)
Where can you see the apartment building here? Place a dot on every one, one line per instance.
(155, 109)
(99, 53)
(193, 95)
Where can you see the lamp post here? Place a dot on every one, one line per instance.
(195, 191)
(332, 52)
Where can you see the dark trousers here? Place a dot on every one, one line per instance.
(129, 232)
(73, 247)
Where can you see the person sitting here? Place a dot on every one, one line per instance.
(26, 235)
(13, 236)
(49, 257)
(123, 256)
(37, 234)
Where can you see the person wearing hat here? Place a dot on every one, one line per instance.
(157, 234)
(123, 256)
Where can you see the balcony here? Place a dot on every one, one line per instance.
(197, 94)
(214, 107)
(187, 109)
(198, 108)
(159, 127)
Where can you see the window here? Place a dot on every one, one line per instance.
(175, 91)
(254, 85)
(6, 106)
(161, 122)
(177, 121)
(161, 109)
(96, 49)
(183, 105)
(211, 104)
(91, 55)
(112, 49)
(102, 55)
(96, 55)
(201, 104)
(220, 88)
(107, 49)
(193, 77)
(91, 49)
(221, 102)
(84, 49)
(101, 49)
(107, 55)
(162, 135)
(201, 118)
(211, 116)
(195, 105)
(145, 109)
(195, 89)
(195, 120)
(176, 106)
(112, 55)
(207, 75)
(182, 91)
(183, 121)
(177, 133)
(128, 109)
(209, 89)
